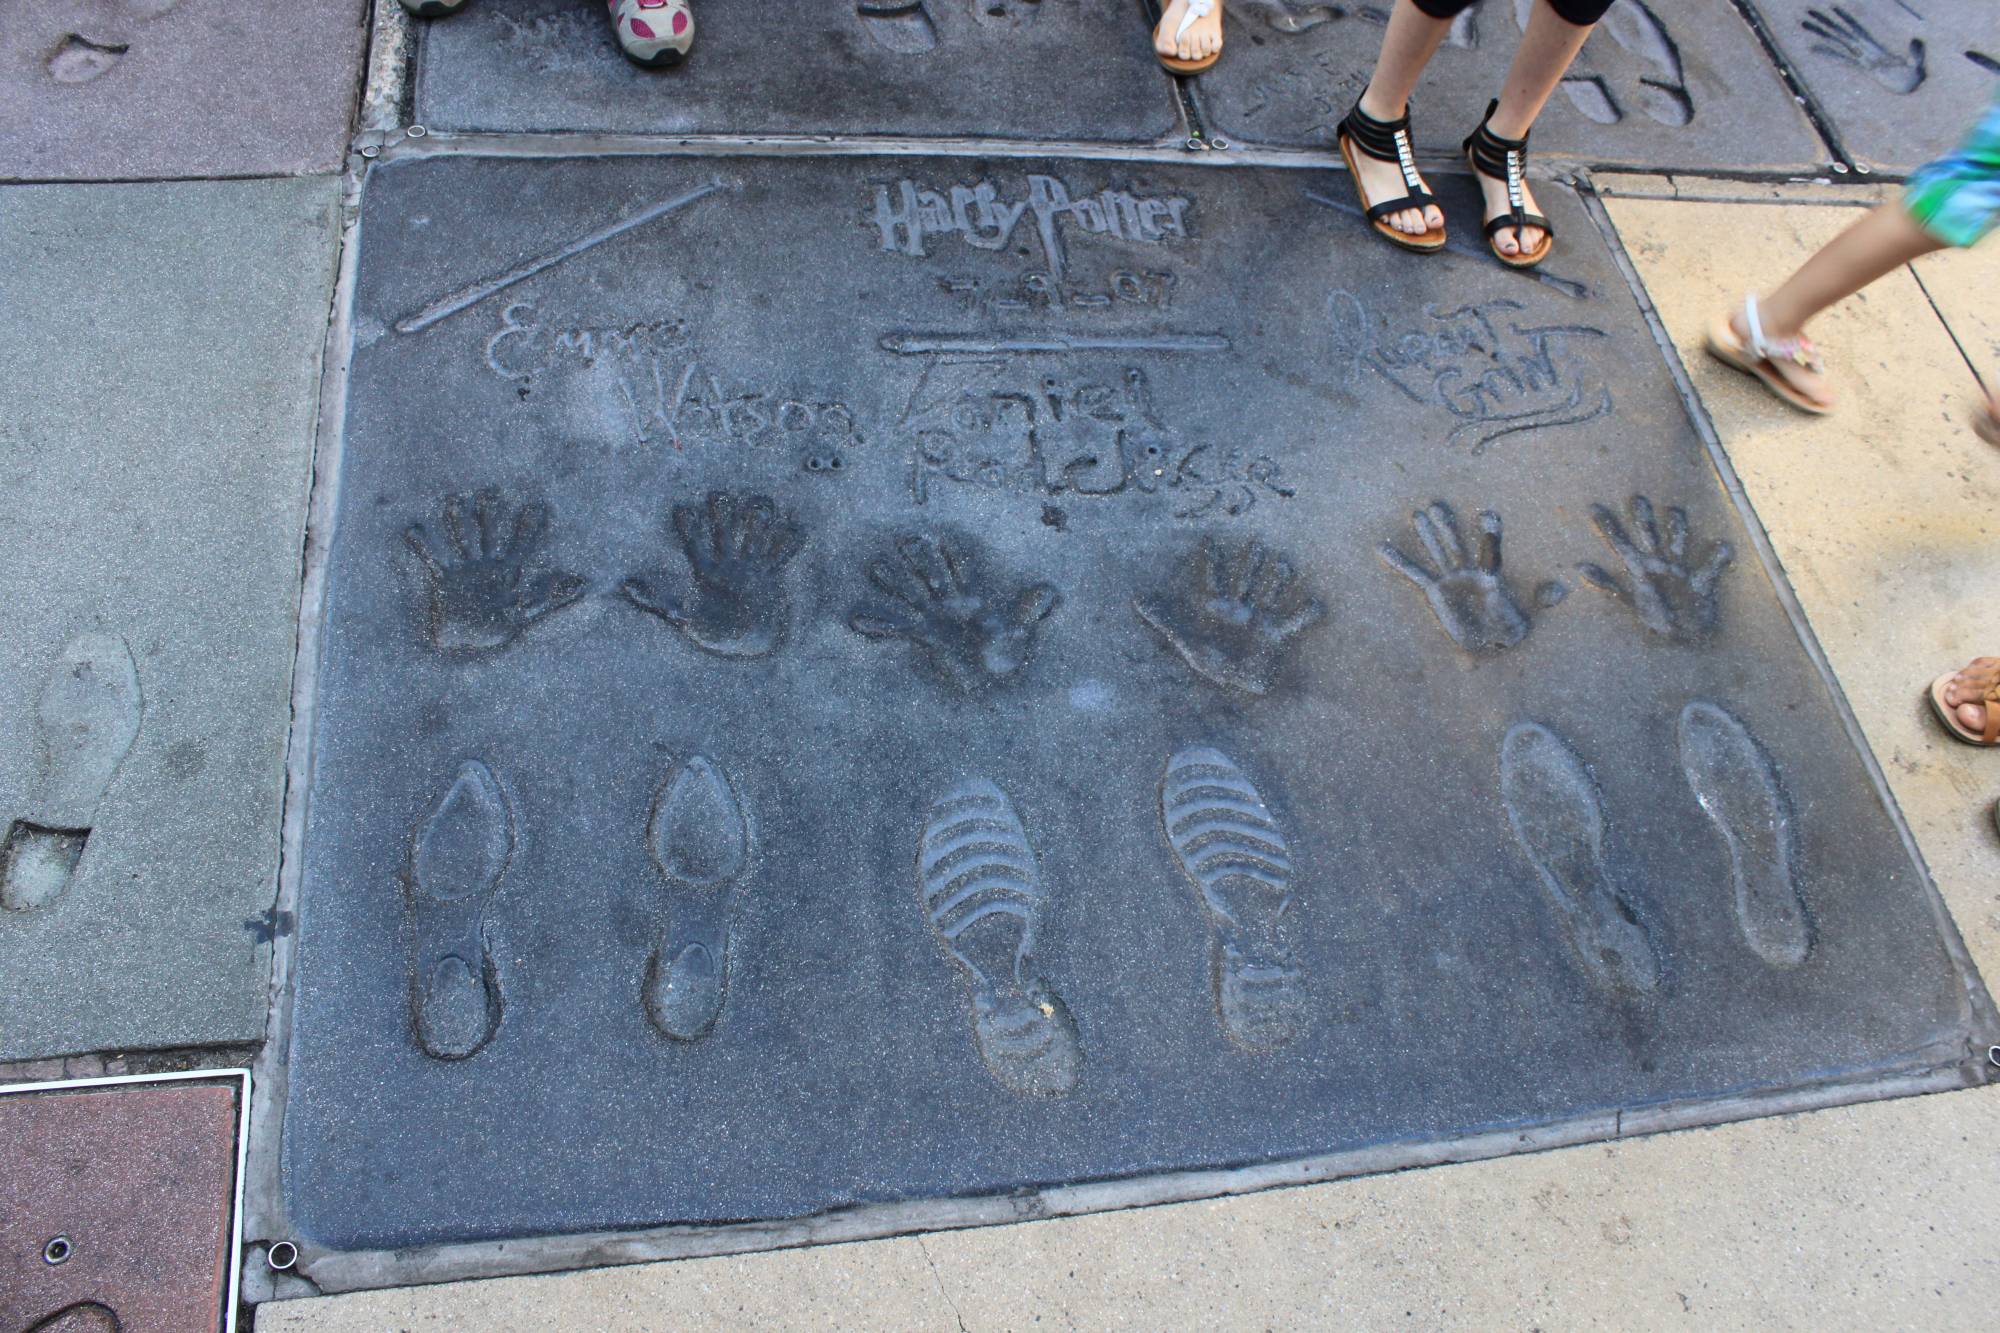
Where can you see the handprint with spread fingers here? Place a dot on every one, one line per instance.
(975, 633)
(1465, 589)
(737, 548)
(1669, 597)
(1840, 35)
(1233, 619)
(486, 582)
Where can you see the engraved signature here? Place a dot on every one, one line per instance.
(970, 426)
(908, 215)
(1495, 373)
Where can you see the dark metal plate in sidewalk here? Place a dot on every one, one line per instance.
(872, 679)
(1678, 86)
(118, 1206)
(1901, 80)
(1013, 69)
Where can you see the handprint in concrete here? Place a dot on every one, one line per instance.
(976, 632)
(1233, 618)
(1671, 596)
(734, 603)
(1465, 588)
(485, 580)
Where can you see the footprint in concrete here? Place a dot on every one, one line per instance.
(1233, 850)
(1009, 14)
(79, 59)
(1558, 819)
(88, 716)
(486, 581)
(737, 547)
(83, 1317)
(700, 841)
(1737, 785)
(456, 860)
(898, 25)
(984, 900)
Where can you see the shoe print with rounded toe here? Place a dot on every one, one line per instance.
(654, 33)
(434, 9)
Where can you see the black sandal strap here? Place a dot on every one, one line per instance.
(1506, 161)
(1388, 141)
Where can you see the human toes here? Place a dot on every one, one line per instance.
(1971, 716)
(1433, 217)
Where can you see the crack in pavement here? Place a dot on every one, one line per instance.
(938, 1278)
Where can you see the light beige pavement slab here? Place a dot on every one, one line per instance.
(1866, 1217)
(1961, 284)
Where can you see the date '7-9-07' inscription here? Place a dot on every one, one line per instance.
(907, 215)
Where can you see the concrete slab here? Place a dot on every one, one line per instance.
(1673, 87)
(117, 1208)
(123, 89)
(159, 354)
(1956, 282)
(1865, 1217)
(1887, 514)
(1901, 80)
(1010, 69)
(613, 864)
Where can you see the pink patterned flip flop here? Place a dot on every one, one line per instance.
(653, 33)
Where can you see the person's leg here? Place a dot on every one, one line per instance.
(1557, 30)
(1883, 239)
(1416, 29)
(1200, 38)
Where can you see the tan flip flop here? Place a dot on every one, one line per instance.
(1759, 356)
(1989, 737)
(1196, 9)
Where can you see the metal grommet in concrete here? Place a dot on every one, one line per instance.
(57, 1251)
(281, 1256)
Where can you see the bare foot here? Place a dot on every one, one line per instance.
(1201, 38)
(1812, 383)
(1966, 692)
(1382, 181)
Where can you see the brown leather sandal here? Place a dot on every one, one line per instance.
(1948, 713)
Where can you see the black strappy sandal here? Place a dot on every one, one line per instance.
(1505, 160)
(1388, 141)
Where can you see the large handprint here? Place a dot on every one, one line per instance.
(976, 635)
(1471, 599)
(737, 548)
(1842, 37)
(1668, 597)
(486, 583)
(1233, 619)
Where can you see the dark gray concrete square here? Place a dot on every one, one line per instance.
(159, 372)
(1006, 672)
(1012, 69)
(128, 89)
(1674, 86)
(1901, 80)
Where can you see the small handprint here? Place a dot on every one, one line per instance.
(1471, 599)
(1233, 619)
(486, 583)
(975, 635)
(1665, 594)
(737, 548)
(1842, 37)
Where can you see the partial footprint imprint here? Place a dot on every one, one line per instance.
(87, 717)
(700, 840)
(1558, 819)
(901, 26)
(1228, 844)
(457, 857)
(79, 59)
(1737, 786)
(981, 894)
